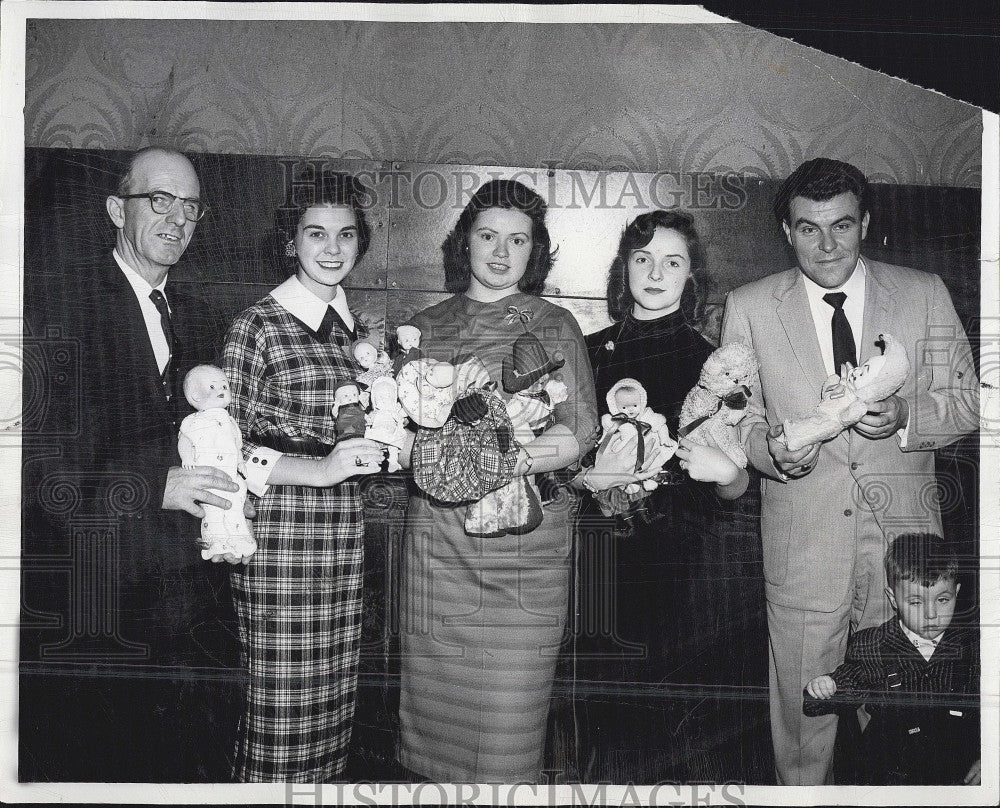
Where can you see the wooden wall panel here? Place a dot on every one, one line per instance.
(236, 254)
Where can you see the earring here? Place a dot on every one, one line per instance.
(290, 249)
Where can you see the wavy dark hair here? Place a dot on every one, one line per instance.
(327, 188)
(924, 558)
(637, 235)
(511, 195)
(819, 180)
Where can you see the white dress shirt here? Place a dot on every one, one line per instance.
(150, 314)
(301, 303)
(822, 312)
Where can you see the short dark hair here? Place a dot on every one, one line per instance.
(511, 195)
(327, 188)
(124, 186)
(819, 180)
(925, 558)
(637, 234)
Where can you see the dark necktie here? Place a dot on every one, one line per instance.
(168, 329)
(844, 349)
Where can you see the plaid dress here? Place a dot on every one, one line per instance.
(299, 600)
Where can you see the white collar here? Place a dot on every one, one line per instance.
(853, 287)
(919, 641)
(138, 283)
(300, 302)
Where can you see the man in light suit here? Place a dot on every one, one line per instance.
(829, 509)
(133, 681)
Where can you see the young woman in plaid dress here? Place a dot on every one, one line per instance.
(299, 598)
(483, 617)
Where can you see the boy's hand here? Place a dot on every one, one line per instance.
(974, 777)
(822, 687)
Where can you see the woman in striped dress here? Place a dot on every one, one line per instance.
(482, 618)
(299, 598)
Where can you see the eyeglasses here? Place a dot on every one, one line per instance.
(162, 202)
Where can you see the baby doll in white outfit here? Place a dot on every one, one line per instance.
(627, 408)
(211, 437)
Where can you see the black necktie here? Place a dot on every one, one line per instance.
(168, 329)
(844, 349)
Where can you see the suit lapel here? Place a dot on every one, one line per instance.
(131, 334)
(796, 318)
(879, 288)
(897, 641)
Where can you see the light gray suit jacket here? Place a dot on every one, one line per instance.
(810, 526)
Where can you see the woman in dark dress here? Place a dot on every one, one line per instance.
(668, 599)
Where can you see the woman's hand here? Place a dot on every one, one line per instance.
(349, 458)
(707, 463)
(615, 465)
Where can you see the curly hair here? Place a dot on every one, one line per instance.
(333, 188)
(819, 180)
(510, 195)
(637, 235)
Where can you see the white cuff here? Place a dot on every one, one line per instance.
(259, 467)
(903, 434)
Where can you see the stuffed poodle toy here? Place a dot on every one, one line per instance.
(720, 400)
(211, 437)
(844, 400)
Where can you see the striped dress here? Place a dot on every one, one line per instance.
(299, 600)
(482, 619)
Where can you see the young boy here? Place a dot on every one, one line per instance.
(917, 675)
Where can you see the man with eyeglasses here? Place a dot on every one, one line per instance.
(145, 651)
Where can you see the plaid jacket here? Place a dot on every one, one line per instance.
(924, 728)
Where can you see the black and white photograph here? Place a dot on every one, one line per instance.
(497, 404)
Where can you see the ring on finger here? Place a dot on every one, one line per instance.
(358, 462)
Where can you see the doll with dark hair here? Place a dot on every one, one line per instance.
(484, 616)
(299, 598)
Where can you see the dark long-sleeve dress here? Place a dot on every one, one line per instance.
(299, 599)
(670, 642)
(482, 618)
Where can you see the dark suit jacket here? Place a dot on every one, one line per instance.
(100, 436)
(924, 727)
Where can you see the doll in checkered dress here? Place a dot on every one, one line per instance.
(299, 598)
(917, 674)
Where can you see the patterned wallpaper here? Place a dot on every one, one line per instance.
(690, 98)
